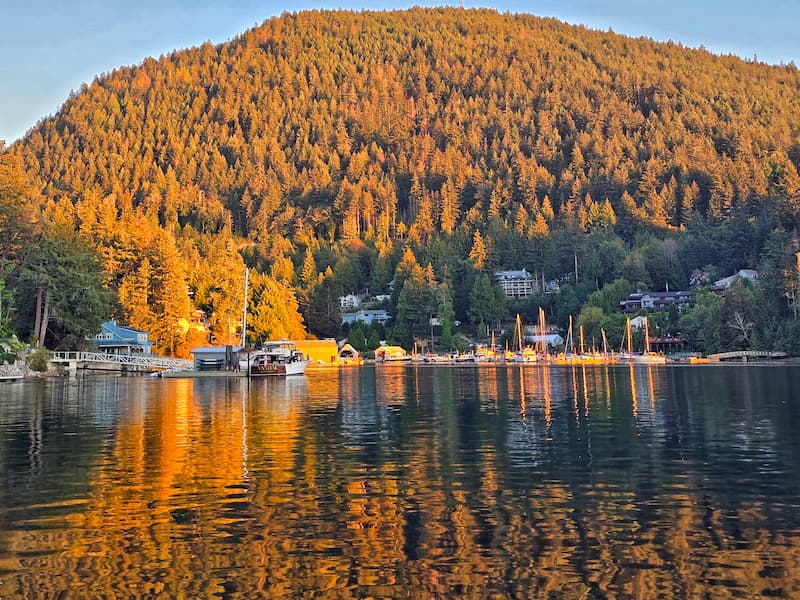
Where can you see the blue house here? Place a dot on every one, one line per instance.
(119, 339)
(367, 316)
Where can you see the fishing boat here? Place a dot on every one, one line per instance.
(277, 358)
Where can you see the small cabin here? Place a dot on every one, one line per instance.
(120, 339)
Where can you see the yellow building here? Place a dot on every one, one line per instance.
(323, 353)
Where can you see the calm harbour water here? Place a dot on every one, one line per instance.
(404, 482)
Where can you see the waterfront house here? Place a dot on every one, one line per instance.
(120, 339)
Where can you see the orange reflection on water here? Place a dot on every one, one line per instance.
(224, 489)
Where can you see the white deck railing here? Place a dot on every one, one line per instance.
(151, 362)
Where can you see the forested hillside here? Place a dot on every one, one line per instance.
(335, 151)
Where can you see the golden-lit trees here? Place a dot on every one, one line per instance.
(273, 311)
(16, 220)
(437, 124)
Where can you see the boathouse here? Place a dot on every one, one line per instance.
(216, 358)
(322, 353)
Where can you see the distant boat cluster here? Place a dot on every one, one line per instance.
(540, 352)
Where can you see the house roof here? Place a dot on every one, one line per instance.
(214, 349)
(727, 282)
(120, 330)
(523, 274)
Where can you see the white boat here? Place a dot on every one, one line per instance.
(647, 357)
(277, 358)
(523, 354)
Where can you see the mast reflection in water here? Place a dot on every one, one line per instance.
(582, 481)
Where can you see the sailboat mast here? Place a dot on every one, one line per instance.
(244, 307)
(569, 345)
(646, 336)
(628, 331)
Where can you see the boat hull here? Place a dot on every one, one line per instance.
(643, 359)
(279, 369)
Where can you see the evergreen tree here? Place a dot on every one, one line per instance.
(486, 303)
(479, 253)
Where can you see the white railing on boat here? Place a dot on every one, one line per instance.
(137, 360)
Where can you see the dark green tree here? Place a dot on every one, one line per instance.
(487, 303)
(65, 299)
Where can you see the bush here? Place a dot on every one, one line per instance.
(40, 360)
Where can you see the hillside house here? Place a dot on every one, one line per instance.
(349, 301)
(516, 284)
(367, 316)
(654, 301)
(725, 284)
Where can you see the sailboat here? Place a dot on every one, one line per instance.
(607, 358)
(647, 357)
(488, 355)
(568, 356)
(582, 357)
(544, 350)
(522, 353)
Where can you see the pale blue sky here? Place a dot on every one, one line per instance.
(50, 47)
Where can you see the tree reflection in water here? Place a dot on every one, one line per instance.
(583, 481)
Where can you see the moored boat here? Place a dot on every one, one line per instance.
(647, 357)
(522, 354)
(277, 358)
(392, 354)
